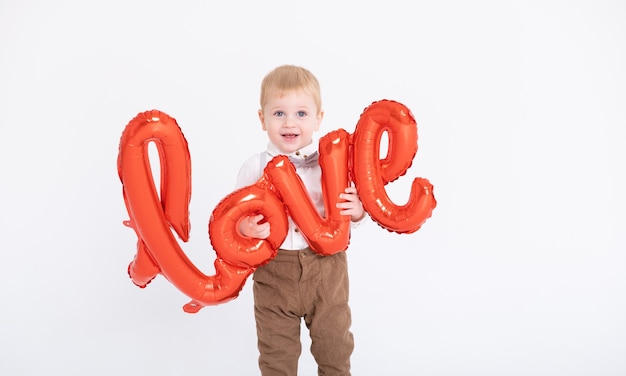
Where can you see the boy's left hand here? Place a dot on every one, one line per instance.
(352, 205)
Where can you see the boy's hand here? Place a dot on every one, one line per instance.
(251, 228)
(352, 206)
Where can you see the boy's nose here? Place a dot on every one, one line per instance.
(289, 121)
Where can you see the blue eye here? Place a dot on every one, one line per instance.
(279, 113)
(301, 113)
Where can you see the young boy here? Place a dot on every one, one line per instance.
(298, 283)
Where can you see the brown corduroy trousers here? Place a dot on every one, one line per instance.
(298, 285)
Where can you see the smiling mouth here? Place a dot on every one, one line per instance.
(290, 135)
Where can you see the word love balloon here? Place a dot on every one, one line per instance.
(344, 159)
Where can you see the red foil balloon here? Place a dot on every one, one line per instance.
(158, 250)
(278, 192)
(224, 225)
(371, 173)
(331, 234)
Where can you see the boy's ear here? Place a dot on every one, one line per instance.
(262, 118)
(320, 117)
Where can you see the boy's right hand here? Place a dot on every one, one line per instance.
(250, 227)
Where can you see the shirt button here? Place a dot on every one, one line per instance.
(298, 152)
(297, 230)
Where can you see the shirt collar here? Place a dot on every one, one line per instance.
(301, 156)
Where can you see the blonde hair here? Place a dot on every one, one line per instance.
(287, 78)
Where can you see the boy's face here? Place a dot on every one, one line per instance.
(290, 120)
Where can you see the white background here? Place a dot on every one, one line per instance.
(521, 111)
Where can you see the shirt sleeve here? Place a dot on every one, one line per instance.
(355, 225)
(250, 172)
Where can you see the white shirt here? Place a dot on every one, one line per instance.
(311, 175)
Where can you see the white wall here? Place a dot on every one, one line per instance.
(522, 124)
